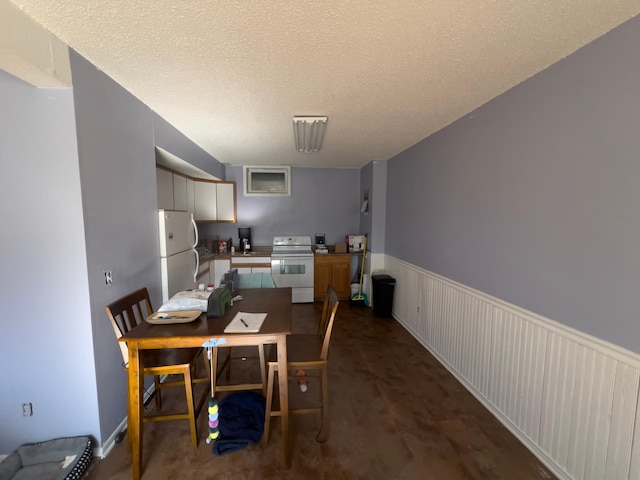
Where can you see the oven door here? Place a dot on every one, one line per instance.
(292, 271)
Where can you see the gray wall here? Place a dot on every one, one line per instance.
(366, 185)
(534, 197)
(323, 200)
(116, 143)
(373, 177)
(117, 167)
(45, 346)
(378, 207)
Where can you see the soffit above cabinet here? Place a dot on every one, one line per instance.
(172, 162)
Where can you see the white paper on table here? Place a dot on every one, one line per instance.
(245, 322)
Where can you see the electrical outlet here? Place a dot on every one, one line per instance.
(27, 409)
(108, 277)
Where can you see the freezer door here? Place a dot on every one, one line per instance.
(176, 232)
(177, 273)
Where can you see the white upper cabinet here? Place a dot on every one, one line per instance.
(214, 201)
(179, 192)
(226, 200)
(191, 196)
(164, 182)
(206, 202)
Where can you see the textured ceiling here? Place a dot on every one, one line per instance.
(231, 74)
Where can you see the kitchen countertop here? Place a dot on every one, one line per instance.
(335, 254)
(257, 252)
(266, 252)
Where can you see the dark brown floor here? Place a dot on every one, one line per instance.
(396, 413)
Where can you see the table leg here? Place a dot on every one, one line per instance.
(134, 421)
(283, 383)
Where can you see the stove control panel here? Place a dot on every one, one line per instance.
(291, 241)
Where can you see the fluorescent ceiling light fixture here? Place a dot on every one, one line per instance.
(309, 132)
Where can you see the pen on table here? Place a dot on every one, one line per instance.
(244, 323)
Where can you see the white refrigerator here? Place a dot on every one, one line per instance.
(178, 257)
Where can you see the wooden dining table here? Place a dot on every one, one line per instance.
(275, 302)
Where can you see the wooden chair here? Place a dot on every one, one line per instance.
(307, 353)
(125, 314)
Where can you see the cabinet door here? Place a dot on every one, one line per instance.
(190, 195)
(226, 197)
(220, 267)
(342, 277)
(164, 183)
(322, 277)
(203, 278)
(205, 200)
(179, 192)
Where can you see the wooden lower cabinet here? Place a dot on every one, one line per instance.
(334, 270)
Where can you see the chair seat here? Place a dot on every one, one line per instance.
(300, 348)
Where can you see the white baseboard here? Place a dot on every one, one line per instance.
(110, 442)
(108, 445)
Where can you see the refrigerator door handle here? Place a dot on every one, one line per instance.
(195, 273)
(193, 248)
(195, 231)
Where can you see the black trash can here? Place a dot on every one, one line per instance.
(383, 286)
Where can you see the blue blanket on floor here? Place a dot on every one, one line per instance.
(241, 421)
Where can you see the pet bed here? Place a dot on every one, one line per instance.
(59, 459)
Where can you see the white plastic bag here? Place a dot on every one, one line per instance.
(189, 300)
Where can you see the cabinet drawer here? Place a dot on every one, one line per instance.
(250, 259)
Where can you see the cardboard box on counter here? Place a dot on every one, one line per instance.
(341, 247)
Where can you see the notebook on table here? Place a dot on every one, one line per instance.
(244, 322)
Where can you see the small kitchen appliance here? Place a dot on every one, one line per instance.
(244, 234)
(321, 247)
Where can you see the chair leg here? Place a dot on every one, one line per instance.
(323, 434)
(263, 371)
(228, 364)
(157, 390)
(188, 387)
(267, 413)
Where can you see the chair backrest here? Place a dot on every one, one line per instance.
(127, 312)
(325, 327)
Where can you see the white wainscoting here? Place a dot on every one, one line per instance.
(572, 399)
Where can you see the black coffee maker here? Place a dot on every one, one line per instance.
(244, 233)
